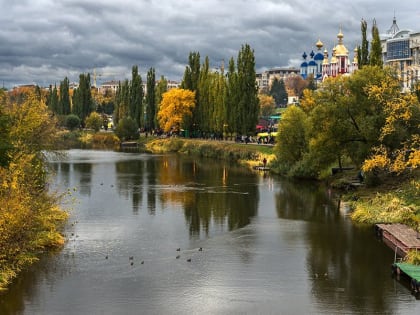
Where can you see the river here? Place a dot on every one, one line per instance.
(169, 234)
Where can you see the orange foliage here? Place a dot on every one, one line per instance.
(176, 105)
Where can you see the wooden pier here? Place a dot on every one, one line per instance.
(399, 237)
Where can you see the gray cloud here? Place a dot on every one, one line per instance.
(42, 41)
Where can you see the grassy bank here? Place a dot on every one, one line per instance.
(246, 154)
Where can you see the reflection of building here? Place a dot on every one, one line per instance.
(401, 50)
(265, 79)
(320, 67)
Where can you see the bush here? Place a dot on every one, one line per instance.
(127, 129)
(94, 121)
(72, 122)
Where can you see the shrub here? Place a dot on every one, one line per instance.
(127, 129)
(72, 121)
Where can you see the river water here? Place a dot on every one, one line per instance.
(167, 234)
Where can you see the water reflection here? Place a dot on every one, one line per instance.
(340, 261)
(269, 245)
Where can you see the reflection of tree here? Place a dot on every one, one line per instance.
(84, 170)
(151, 167)
(341, 255)
(130, 180)
(209, 192)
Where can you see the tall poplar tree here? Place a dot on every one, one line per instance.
(64, 100)
(232, 98)
(190, 82)
(363, 50)
(375, 55)
(136, 95)
(82, 98)
(161, 87)
(248, 89)
(150, 100)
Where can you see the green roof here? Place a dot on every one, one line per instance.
(411, 270)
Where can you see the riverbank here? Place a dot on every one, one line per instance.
(395, 200)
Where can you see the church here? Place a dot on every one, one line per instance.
(320, 66)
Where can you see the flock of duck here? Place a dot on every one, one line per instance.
(131, 258)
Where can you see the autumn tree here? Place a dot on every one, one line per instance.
(94, 121)
(296, 84)
(267, 105)
(29, 218)
(176, 106)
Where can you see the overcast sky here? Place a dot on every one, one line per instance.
(43, 41)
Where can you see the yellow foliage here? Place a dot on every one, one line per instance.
(29, 216)
(176, 105)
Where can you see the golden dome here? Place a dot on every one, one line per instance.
(341, 50)
(319, 44)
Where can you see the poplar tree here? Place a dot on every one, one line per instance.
(248, 89)
(363, 50)
(64, 100)
(232, 98)
(161, 87)
(190, 82)
(375, 56)
(151, 100)
(135, 96)
(82, 98)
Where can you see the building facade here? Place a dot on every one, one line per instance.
(401, 50)
(265, 79)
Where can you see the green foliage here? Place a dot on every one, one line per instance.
(375, 55)
(278, 91)
(94, 121)
(127, 129)
(150, 119)
(82, 98)
(363, 119)
(64, 100)
(72, 121)
(291, 142)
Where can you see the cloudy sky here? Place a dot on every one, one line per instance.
(43, 41)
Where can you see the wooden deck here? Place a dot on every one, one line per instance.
(399, 237)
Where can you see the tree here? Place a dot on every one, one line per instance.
(94, 121)
(127, 129)
(267, 105)
(161, 88)
(52, 100)
(64, 99)
(363, 50)
(82, 98)
(375, 55)
(232, 98)
(296, 84)
(135, 96)
(248, 98)
(278, 91)
(176, 106)
(291, 142)
(5, 141)
(150, 100)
